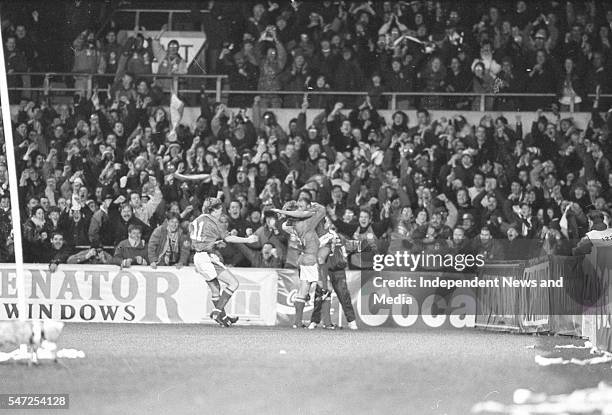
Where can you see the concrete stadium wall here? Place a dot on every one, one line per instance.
(473, 117)
(284, 115)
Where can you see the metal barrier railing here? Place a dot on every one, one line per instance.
(90, 82)
(220, 92)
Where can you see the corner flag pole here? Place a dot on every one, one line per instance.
(13, 185)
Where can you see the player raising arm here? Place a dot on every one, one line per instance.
(208, 235)
(305, 217)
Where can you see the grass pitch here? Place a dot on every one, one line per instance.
(163, 369)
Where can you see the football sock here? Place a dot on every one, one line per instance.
(215, 301)
(215, 286)
(299, 310)
(315, 317)
(323, 272)
(325, 311)
(226, 294)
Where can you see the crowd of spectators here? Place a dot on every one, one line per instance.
(7, 248)
(112, 174)
(549, 47)
(115, 178)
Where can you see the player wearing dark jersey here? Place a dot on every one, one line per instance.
(333, 252)
(322, 299)
(307, 218)
(208, 235)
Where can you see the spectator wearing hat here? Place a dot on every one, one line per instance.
(131, 251)
(168, 244)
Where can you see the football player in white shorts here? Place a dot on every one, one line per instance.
(307, 217)
(208, 235)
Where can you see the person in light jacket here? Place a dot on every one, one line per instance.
(168, 244)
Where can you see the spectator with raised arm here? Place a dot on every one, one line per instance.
(272, 58)
(170, 62)
(88, 60)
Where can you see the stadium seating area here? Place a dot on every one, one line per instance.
(120, 156)
(7, 253)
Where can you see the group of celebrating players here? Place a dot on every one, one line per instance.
(322, 255)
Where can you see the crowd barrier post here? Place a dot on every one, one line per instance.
(566, 305)
(218, 86)
(89, 86)
(175, 83)
(600, 299)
